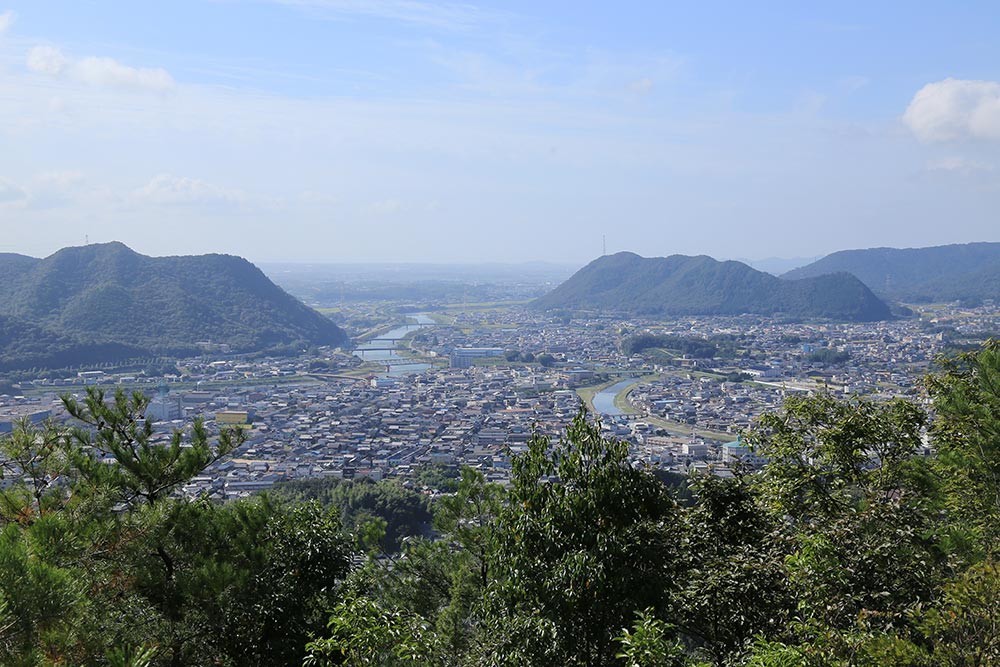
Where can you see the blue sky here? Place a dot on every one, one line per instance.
(404, 130)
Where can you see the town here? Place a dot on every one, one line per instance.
(471, 387)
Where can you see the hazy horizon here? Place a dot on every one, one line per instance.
(773, 265)
(336, 131)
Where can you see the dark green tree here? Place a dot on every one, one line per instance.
(966, 432)
(143, 468)
(439, 583)
(584, 542)
(35, 464)
(735, 586)
(859, 509)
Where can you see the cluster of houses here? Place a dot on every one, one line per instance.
(333, 416)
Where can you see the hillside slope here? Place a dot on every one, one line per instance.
(682, 285)
(967, 272)
(108, 294)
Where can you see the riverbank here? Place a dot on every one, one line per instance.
(587, 394)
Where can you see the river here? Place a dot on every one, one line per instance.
(604, 400)
(383, 349)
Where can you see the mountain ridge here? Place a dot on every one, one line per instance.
(967, 272)
(701, 285)
(108, 294)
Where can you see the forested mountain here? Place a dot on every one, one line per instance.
(14, 266)
(107, 297)
(682, 285)
(25, 345)
(967, 272)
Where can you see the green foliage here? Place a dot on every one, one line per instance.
(514, 356)
(829, 356)
(689, 346)
(104, 302)
(584, 541)
(437, 476)
(963, 272)
(678, 484)
(735, 585)
(827, 456)
(546, 359)
(131, 657)
(650, 643)
(442, 582)
(680, 285)
(958, 630)
(242, 584)
(967, 435)
(963, 628)
(96, 557)
(405, 513)
(33, 461)
(37, 597)
(849, 548)
(468, 515)
(25, 345)
(876, 564)
(363, 633)
(860, 508)
(143, 469)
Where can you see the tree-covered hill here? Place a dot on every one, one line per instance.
(682, 285)
(14, 266)
(24, 345)
(967, 272)
(405, 512)
(109, 295)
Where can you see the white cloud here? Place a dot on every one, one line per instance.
(11, 193)
(60, 179)
(954, 171)
(110, 72)
(958, 164)
(95, 71)
(47, 60)
(6, 21)
(955, 109)
(169, 190)
(57, 104)
(56, 189)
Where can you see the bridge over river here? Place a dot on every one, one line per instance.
(384, 349)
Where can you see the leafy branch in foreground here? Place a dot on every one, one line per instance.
(34, 461)
(145, 469)
(967, 438)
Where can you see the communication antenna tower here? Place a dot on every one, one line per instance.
(604, 244)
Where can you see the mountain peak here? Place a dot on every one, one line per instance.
(700, 285)
(109, 294)
(967, 272)
(110, 247)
